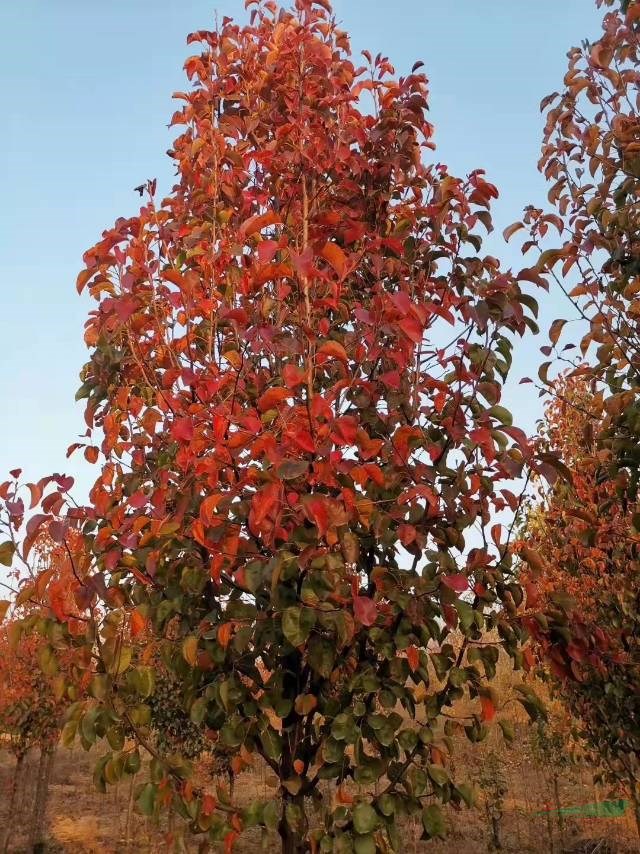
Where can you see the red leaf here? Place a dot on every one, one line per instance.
(457, 582)
(344, 430)
(365, 610)
(182, 429)
(267, 250)
(413, 658)
(272, 398)
(293, 376)
(303, 439)
(317, 511)
(488, 709)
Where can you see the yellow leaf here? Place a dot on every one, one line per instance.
(190, 650)
(234, 358)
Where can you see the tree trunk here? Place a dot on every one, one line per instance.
(45, 766)
(292, 832)
(556, 797)
(494, 816)
(635, 797)
(127, 823)
(16, 782)
(495, 832)
(550, 827)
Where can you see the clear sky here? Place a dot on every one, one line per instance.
(85, 97)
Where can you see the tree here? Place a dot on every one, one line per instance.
(590, 158)
(293, 393)
(589, 550)
(36, 683)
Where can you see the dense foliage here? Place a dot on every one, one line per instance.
(586, 538)
(292, 552)
(293, 396)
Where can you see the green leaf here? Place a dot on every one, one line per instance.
(132, 762)
(198, 710)
(99, 686)
(271, 743)
(507, 730)
(433, 821)
(467, 793)
(7, 550)
(190, 650)
(365, 818)
(145, 680)
(364, 845)
(147, 798)
(502, 415)
(69, 731)
(321, 655)
(297, 623)
(271, 815)
(293, 815)
(386, 804)
(438, 774)
(120, 661)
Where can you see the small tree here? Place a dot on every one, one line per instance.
(297, 361)
(493, 784)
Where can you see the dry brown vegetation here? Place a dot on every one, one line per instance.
(82, 820)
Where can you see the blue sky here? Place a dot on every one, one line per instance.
(85, 96)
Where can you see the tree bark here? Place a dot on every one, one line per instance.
(635, 798)
(556, 797)
(45, 767)
(127, 823)
(550, 828)
(16, 782)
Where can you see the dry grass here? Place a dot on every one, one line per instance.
(82, 821)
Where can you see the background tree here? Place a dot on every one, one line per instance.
(40, 675)
(590, 157)
(588, 547)
(297, 360)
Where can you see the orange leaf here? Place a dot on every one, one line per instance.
(532, 558)
(332, 253)
(229, 841)
(224, 634)
(83, 278)
(413, 658)
(333, 350)
(209, 803)
(36, 490)
(257, 223)
(91, 454)
(343, 797)
(511, 230)
(208, 507)
(137, 623)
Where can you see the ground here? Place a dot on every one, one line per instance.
(83, 821)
